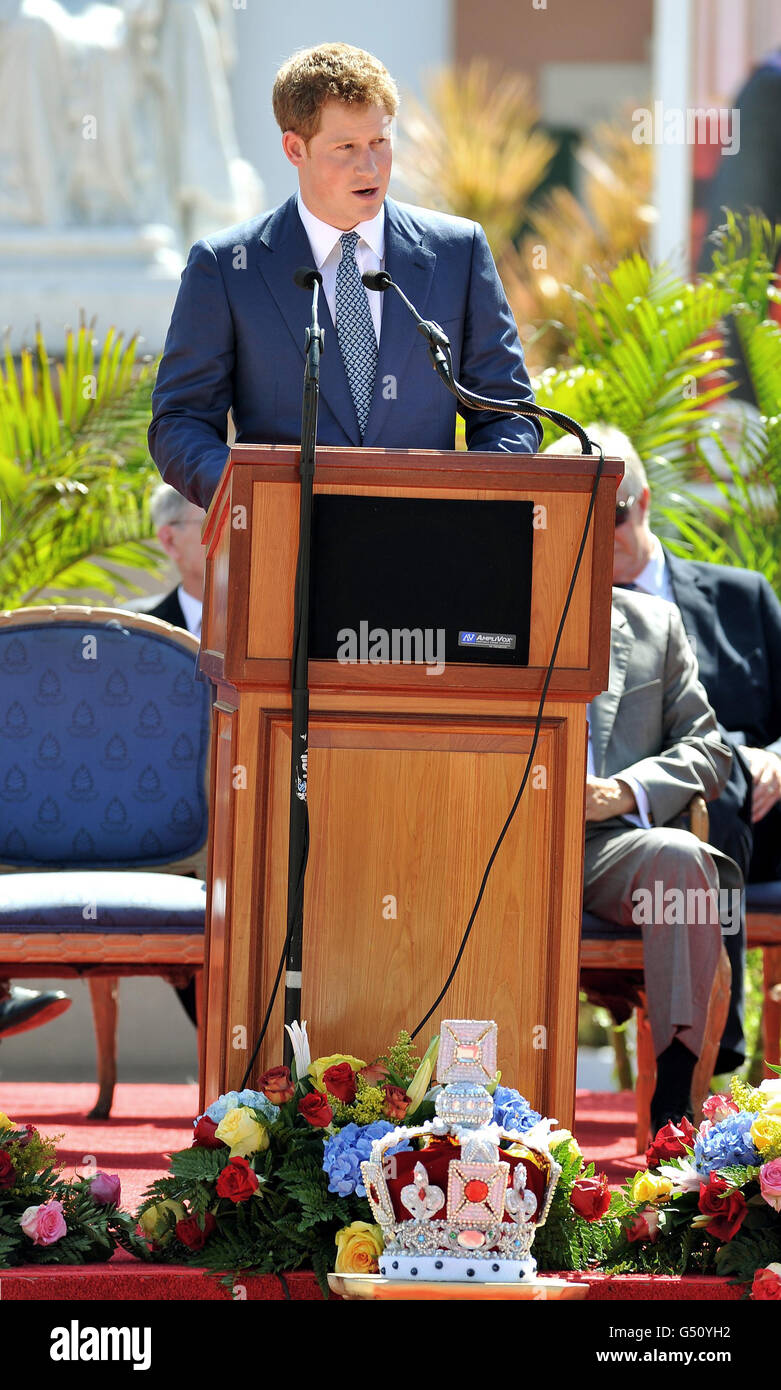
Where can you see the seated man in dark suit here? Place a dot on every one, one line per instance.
(653, 744)
(178, 526)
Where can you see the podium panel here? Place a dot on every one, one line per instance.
(410, 780)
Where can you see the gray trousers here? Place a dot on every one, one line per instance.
(624, 867)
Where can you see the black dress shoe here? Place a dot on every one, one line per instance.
(21, 1009)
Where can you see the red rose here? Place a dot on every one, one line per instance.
(644, 1226)
(316, 1110)
(190, 1233)
(203, 1135)
(277, 1085)
(671, 1141)
(728, 1212)
(7, 1171)
(766, 1284)
(237, 1181)
(396, 1102)
(590, 1197)
(340, 1082)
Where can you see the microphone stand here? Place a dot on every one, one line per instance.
(441, 355)
(298, 826)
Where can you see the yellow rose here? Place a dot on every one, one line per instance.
(158, 1221)
(359, 1247)
(650, 1187)
(321, 1064)
(766, 1131)
(5, 1123)
(243, 1134)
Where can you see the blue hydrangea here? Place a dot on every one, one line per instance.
(729, 1142)
(512, 1111)
(254, 1099)
(343, 1154)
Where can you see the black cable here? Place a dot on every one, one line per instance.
(527, 769)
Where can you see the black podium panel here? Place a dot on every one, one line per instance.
(385, 569)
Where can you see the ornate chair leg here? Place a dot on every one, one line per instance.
(718, 1008)
(105, 996)
(771, 1009)
(646, 1078)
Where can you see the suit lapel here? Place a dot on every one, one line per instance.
(603, 710)
(285, 247)
(411, 265)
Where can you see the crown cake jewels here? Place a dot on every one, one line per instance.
(464, 1202)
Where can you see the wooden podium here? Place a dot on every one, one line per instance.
(410, 781)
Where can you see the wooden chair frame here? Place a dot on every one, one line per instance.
(100, 958)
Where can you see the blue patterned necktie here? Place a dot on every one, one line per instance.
(355, 329)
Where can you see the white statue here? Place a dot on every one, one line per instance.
(120, 115)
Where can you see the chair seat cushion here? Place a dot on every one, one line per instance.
(763, 897)
(86, 901)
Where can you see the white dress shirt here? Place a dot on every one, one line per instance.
(192, 609)
(327, 253)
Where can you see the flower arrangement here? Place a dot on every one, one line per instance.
(709, 1200)
(273, 1180)
(46, 1219)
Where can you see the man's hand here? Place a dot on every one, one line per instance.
(766, 780)
(606, 797)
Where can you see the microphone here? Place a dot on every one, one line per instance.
(306, 277)
(441, 354)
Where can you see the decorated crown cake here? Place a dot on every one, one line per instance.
(465, 1200)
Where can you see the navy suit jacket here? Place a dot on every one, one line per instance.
(735, 618)
(236, 341)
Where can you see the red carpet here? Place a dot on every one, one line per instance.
(151, 1121)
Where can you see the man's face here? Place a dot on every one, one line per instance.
(345, 169)
(632, 544)
(181, 541)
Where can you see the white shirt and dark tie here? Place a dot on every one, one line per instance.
(342, 258)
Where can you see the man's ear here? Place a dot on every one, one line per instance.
(294, 147)
(167, 540)
(645, 501)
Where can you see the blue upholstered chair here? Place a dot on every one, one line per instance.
(763, 928)
(104, 736)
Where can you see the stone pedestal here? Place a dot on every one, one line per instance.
(121, 277)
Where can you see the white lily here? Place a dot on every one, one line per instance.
(684, 1178)
(301, 1054)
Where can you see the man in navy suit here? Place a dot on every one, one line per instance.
(236, 340)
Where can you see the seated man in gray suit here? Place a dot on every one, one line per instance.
(653, 744)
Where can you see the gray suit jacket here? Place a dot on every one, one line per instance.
(654, 721)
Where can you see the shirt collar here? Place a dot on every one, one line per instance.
(323, 237)
(192, 609)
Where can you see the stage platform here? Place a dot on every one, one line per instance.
(150, 1121)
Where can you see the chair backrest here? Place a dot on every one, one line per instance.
(104, 736)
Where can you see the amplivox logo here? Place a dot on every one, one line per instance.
(77, 1343)
(504, 640)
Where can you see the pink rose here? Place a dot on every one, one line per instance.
(770, 1183)
(717, 1108)
(105, 1189)
(644, 1226)
(44, 1224)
